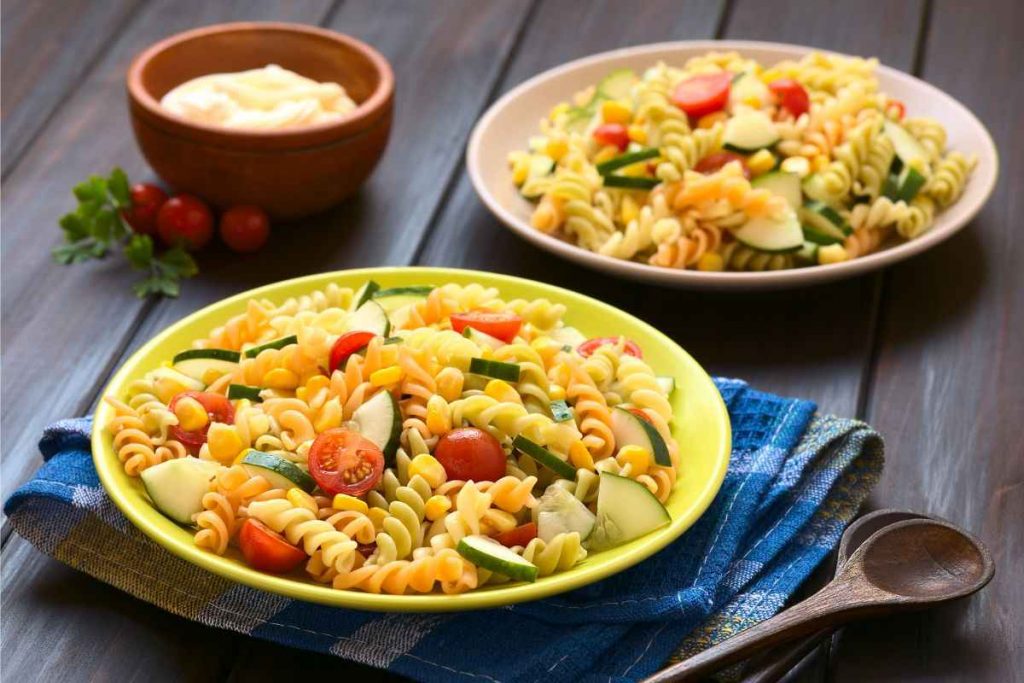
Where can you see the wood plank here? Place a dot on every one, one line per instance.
(47, 49)
(948, 389)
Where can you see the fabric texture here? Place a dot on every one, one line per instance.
(795, 480)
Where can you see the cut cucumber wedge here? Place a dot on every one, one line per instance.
(808, 253)
(364, 294)
(380, 421)
(560, 411)
(667, 384)
(281, 473)
(559, 512)
(545, 457)
(276, 344)
(237, 392)
(908, 150)
(394, 298)
(822, 224)
(494, 369)
(177, 487)
(617, 85)
(903, 185)
(626, 510)
(491, 555)
(777, 235)
(748, 132)
(370, 317)
(747, 86)
(206, 370)
(482, 338)
(786, 185)
(208, 354)
(632, 430)
(630, 182)
(629, 159)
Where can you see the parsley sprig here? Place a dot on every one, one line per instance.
(96, 227)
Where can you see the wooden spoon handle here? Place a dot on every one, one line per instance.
(771, 666)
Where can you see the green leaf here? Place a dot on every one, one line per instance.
(180, 262)
(139, 251)
(119, 188)
(94, 189)
(74, 227)
(103, 225)
(76, 252)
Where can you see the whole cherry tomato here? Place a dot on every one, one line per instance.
(146, 202)
(628, 346)
(218, 408)
(346, 345)
(185, 220)
(716, 160)
(791, 95)
(703, 94)
(343, 461)
(504, 326)
(470, 453)
(245, 228)
(613, 134)
(266, 550)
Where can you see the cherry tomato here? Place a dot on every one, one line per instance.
(342, 461)
(146, 202)
(588, 347)
(703, 94)
(185, 220)
(346, 345)
(716, 160)
(792, 96)
(267, 550)
(521, 535)
(245, 228)
(612, 134)
(218, 408)
(503, 326)
(901, 109)
(470, 453)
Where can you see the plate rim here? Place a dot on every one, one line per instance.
(690, 279)
(106, 462)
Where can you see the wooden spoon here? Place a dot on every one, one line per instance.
(905, 566)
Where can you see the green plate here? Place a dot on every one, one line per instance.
(701, 427)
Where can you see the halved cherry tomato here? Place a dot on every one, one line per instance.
(342, 461)
(346, 345)
(521, 535)
(792, 96)
(267, 550)
(703, 94)
(504, 326)
(218, 408)
(641, 414)
(900, 108)
(716, 160)
(613, 134)
(470, 453)
(629, 347)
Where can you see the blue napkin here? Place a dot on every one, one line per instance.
(794, 482)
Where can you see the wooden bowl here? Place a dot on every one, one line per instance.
(290, 173)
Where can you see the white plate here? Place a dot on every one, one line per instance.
(514, 118)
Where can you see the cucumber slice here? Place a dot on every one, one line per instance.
(630, 182)
(667, 384)
(822, 224)
(482, 338)
(617, 85)
(627, 160)
(786, 185)
(494, 369)
(177, 487)
(491, 555)
(904, 185)
(632, 430)
(276, 344)
(579, 118)
(206, 370)
(212, 354)
(393, 340)
(808, 253)
(380, 421)
(545, 457)
(558, 512)
(749, 131)
(239, 391)
(281, 473)
(560, 411)
(746, 86)
(908, 150)
(370, 317)
(569, 336)
(625, 510)
(169, 382)
(779, 235)
(364, 294)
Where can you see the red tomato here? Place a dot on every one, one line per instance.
(715, 161)
(342, 461)
(612, 134)
(703, 94)
(588, 347)
(900, 108)
(217, 407)
(791, 95)
(346, 345)
(504, 326)
(267, 550)
(521, 535)
(185, 220)
(245, 228)
(470, 453)
(146, 202)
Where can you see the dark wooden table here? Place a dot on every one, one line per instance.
(930, 351)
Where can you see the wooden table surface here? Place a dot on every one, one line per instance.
(930, 352)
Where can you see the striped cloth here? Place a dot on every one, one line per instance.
(794, 482)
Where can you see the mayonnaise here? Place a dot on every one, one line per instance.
(270, 98)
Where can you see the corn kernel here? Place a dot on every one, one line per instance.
(709, 261)
(556, 148)
(437, 507)
(428, 467)
(191, 414)
(343, 501)
(580, 457)
(501, 390)
(798, 165)
(613, 111)
(224, 442)
(629, 210)
(819, 163)
(833, 253)
(607, 153)
(281, 378)
(377, 516)
(449, 384)
(638, 459)
(167, 386)
(760, 162)
(709, 120)
(301, 499)
(438, 416)
(637, 134)
(752, 101)
(386, 376)
(556, 393)
(520, 169)
(769, 75)
(558, 110)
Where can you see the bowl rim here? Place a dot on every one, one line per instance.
(725, 280)
(366, 114)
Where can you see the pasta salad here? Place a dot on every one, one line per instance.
(404, 440)
(727, 164)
